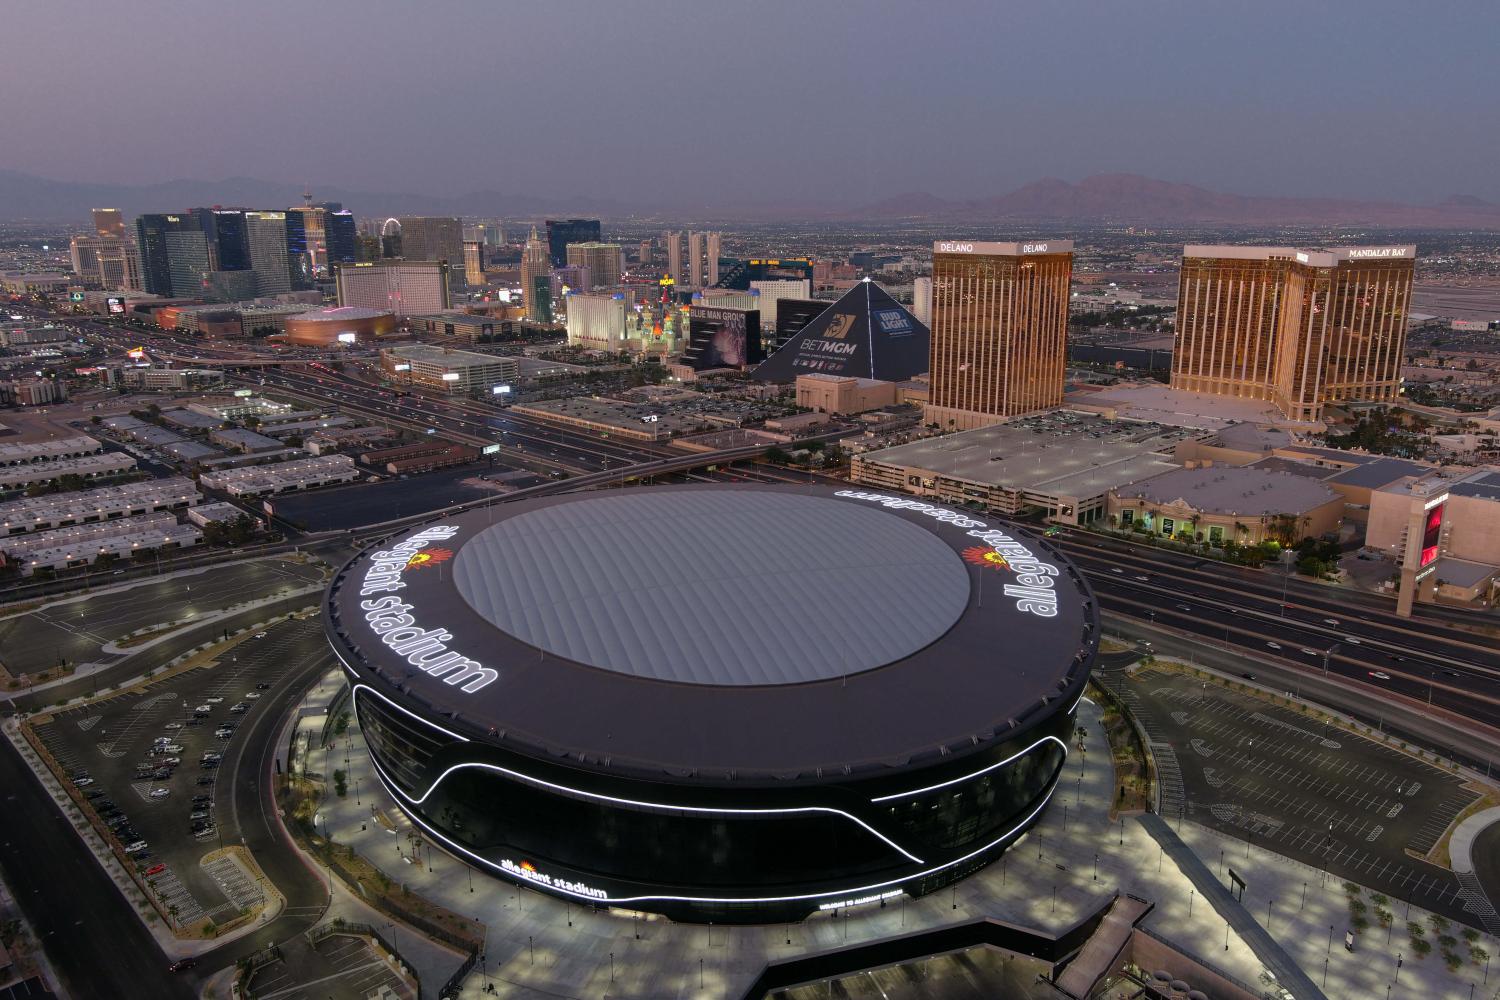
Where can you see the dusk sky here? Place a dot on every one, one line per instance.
(701, 104)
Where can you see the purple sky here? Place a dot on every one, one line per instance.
(758, 100)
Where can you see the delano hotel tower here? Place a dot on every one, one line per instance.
(1300, 328)
(999, 329)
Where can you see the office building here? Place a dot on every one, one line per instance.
(448, 370)
(402, 287)
(999, 329)
(561, 232)
(1299, 328)
(431, 237)
(536, 284)
(535, 724)
(265, 233)
(109, 223)
(597, 320)
(921, 300)
(601, 259)
(473, 263)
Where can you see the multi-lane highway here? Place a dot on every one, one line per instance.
(1317, 627)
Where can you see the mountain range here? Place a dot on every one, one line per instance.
(1121, 198)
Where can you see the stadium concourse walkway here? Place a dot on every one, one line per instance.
(1281, 964)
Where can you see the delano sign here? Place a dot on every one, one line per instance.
(394, 621)
(1017, 249)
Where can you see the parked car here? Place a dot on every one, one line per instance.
(216, 700)
(83, 782)
(207, 779)
(251, 695)
(163, 774)
(239, 708)
(155, 869)
(198, 814)
(174, 725)
(263, 686)
(183, 964)
(136, 847)
(160, 793)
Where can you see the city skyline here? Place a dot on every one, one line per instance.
(993, 100)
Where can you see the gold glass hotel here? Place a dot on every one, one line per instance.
(1299, 328)
(999, 329)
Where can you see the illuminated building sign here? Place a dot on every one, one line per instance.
(392, 619)
(491, 449)
(1358, 252)
(526, 870)
(842, 903)
(894, 322)
(115, 304)
(1035, 589)
(451, 376)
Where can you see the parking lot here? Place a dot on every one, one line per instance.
(341, 967)
(74, 629)
(1302, 788)
(148, 762)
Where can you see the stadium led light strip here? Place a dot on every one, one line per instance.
(724, 899)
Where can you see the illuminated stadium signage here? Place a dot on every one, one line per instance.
(1432, 533)
(526, 870)
(1035, 589)
(842, 903)
(392, 619)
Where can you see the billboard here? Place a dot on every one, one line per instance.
(115, 304)
(722, 337)
(1432, 530)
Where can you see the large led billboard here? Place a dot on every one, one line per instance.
(1432, 530)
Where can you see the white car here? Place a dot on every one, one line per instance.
(1380, 675)
(1331, 621)
(213, 701)
(169, 761)
(160, 793)
(251, 695)
(137, 847)
(174, 725)
(1273, 645)
(167, 748)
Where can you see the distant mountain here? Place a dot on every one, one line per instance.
(1130, 198)
(24, 196)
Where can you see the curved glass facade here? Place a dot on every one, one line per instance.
(696, 852)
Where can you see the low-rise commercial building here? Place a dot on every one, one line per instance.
(845, 394)
(469, 327)
(244, 441)
(44, 451)
(221, 512)
(283, 477)
(106, 503)
(424, 456)
(448, 370)
(1218, 504)
(148, 378)
(1062, 463)
(109, 463)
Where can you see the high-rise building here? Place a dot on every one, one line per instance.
(643, 252)
(711, 264)
(921, 299)
(601, 259)
(108, 222)
(119, 265)
(151, 244)
(999, 329)
(432, 237)
(694, 267)
(306, 244)
(84, 251)
(190, 258)
(674, 259)
(403, 287)
(536, 287)
(266, 234)
(773, 291)
(1301, 329)
(474, 263)
(561, 232)
(341, 237)
(597, 320)
(225, 228)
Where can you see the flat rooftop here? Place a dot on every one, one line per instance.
(1243, 491)
(431, 355)
(1060, 454)
(1178, 407)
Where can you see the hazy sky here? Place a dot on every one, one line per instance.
(737, 101)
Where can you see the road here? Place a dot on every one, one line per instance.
(1318, 629)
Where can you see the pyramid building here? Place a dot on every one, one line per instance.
(865, 334)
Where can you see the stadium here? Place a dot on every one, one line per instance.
(717, 703)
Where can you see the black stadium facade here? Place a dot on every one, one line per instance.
(735, 704)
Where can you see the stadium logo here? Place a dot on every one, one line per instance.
(426, 557)
(979, 555)
(840, 327)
